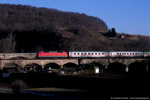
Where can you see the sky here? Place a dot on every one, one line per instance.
(126, 16)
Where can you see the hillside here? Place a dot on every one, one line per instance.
(20, 18)
(34, 29)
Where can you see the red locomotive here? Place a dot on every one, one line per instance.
(52, 54)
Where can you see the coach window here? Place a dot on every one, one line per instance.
(78, 53)
(81, 53)
(95, 53)
(84, 53)
(102, 53)
(92, 53)
(88, 53)
(74, 53)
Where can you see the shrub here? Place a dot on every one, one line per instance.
(18, 85)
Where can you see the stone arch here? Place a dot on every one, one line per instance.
(11, 68)
(70, 65)
(87, 68)
(70, 68)
(116, 68)
(32, 67)
(100, 66)
(148, 67)
(137, 67)
(51, 66)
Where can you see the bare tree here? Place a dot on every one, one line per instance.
(8, 44)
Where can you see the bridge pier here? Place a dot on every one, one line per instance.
(42, 66)
(61, 66)
(127, 68)
(105, 67)
(147, 69)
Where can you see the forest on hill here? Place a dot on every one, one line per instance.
(30, 29)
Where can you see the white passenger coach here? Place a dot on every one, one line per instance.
(87, 54)
(126, 54)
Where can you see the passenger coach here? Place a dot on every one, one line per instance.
(146, 54)
(87, 54)
(126, 54)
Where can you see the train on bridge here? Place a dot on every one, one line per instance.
(73, 54)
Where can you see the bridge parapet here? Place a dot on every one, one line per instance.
(18, 55)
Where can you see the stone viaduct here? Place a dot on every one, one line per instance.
(24, 59)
